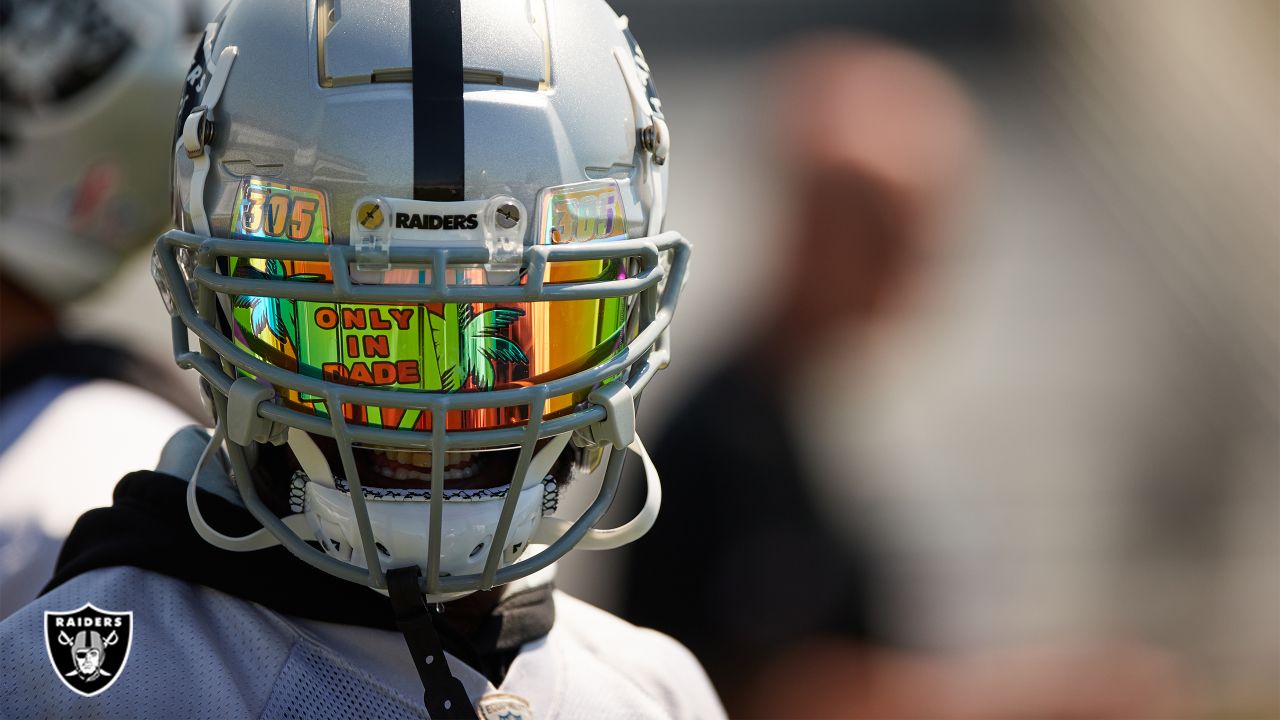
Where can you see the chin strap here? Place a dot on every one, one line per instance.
(310, 459)
(443, 694)
(552, 528)
(542, 461)
(259, 539)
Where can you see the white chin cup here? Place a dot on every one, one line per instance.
(401, 528)
(401, 525)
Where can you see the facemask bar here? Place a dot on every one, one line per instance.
(219, 359)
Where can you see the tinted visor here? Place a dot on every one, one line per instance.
(470, 347)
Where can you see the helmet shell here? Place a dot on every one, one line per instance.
(325, 101)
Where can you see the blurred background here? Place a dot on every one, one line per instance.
(975, 402)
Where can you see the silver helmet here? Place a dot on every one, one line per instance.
(421, 247)
(84, 153)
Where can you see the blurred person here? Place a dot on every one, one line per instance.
(83, 168)
(874, 145)
(421, 312)
(1176, 107)
(1076, 464)
(803, 602)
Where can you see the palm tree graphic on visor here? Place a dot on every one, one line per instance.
(468, 345)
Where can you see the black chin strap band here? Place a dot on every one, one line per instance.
(444, 695)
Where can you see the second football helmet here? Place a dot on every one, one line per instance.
(83, 150)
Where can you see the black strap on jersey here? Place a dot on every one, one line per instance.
(443, 694)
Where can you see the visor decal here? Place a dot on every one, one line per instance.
(581, 212)
(466, 348)
(431, 347)
(266, 210)
(274, 211)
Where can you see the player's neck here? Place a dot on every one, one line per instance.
(467, 613)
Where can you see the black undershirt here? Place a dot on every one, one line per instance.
(147, 527)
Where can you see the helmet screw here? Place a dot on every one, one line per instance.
(206, 130)
(507, 215)
(654, 140)
(369, 216)
(204, 125)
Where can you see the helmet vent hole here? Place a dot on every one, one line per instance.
(382, 549)
(337, 546)
(476, 551)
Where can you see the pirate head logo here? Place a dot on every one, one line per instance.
(88, 647)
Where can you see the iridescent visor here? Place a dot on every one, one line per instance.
(426, 347)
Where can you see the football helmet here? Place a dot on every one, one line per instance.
(420, 247)
(84, 152)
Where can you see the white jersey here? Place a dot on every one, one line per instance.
(64, 445)
(199, 653)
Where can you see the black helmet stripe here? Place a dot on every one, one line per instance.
(438, 155)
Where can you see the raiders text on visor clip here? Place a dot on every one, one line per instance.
(420, 221)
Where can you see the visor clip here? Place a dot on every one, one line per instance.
(373, 252)
(504, 237)
(245, 425)
(371, 235)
